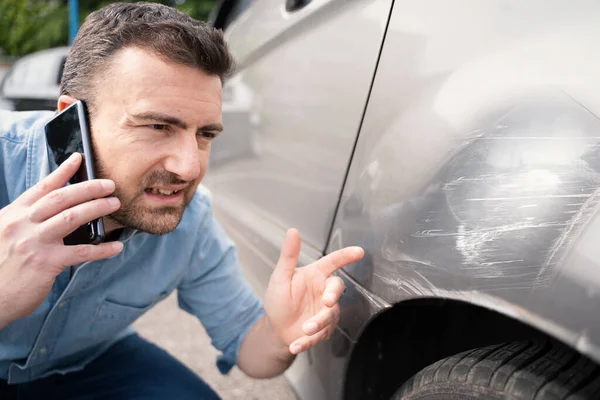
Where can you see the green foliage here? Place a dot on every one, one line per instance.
(31, 25)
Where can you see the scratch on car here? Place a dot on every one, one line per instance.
(410, 286)
(546, 196)
(501, 213)
(590, 206)
(375, 301)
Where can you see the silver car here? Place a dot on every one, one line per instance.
(458, 143)
(33, 82)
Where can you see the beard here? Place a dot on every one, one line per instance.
(134, 213)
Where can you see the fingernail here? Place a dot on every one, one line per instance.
(113, 201)
(118, 246)
(296, 348)
(357, 250)
(72, 157)
(310, 328)
(108, 184)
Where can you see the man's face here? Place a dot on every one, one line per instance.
(152, 130)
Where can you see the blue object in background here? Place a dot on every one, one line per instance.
(73, 19)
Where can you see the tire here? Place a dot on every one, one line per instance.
(533, 370)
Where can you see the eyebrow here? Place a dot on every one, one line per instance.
(167, 119)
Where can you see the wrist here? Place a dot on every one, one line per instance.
(280, 347)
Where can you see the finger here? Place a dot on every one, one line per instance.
(340, 258)
(323, 319)
(73, 255)
(288, 258)
(67, 221)
(57, 179)
(67, 197)
(306, 342)
(334, 287)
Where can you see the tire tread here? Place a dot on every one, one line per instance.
(527, 370)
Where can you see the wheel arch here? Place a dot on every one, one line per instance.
(403, 339)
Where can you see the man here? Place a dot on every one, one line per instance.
(151, 78)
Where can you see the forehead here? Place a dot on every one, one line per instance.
(138, 80)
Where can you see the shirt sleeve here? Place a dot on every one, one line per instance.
(215, 291)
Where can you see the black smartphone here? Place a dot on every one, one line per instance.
(69, 132)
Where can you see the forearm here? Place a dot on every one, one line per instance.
(4, 319)
(263, 354)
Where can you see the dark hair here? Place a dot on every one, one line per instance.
(166, 32)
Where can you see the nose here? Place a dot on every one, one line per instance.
(184, 159)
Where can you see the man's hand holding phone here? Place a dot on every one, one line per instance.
(32, 229)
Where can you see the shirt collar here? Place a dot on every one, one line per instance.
(38, 163)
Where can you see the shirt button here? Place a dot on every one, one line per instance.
(62, 304)
(43, 351)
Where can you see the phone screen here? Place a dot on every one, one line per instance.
(67, 133)
(64, 135)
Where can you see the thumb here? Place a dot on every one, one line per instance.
(288, 258)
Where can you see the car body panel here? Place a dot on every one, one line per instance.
(33, 82)
(477, 170)
(302, 131)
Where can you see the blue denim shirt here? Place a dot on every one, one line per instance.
(83, 315)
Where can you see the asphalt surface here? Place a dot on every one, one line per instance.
(182, 336)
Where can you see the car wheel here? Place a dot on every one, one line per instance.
(534, 370)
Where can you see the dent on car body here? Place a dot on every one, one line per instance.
(492, 223)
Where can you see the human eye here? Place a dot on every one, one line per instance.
(158, 127)
(207, 135)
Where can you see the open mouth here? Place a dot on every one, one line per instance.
(162, 192)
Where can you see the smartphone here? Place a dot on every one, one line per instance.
(69, 132)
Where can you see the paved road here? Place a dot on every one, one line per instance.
(182, 335)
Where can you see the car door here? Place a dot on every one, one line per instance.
(291, 114)
(476, 174)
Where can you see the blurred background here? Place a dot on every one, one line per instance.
(31, 25)
(34, 40)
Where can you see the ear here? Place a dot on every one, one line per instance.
(65, 101)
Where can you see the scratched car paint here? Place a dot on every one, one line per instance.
(456, 141)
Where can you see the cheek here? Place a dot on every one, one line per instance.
(129, 161)
(132, 170)
(128, 173)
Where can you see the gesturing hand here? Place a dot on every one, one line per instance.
(32, 228)
(302, 304)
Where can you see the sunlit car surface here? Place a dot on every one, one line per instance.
(33, 82)
(456, 141)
